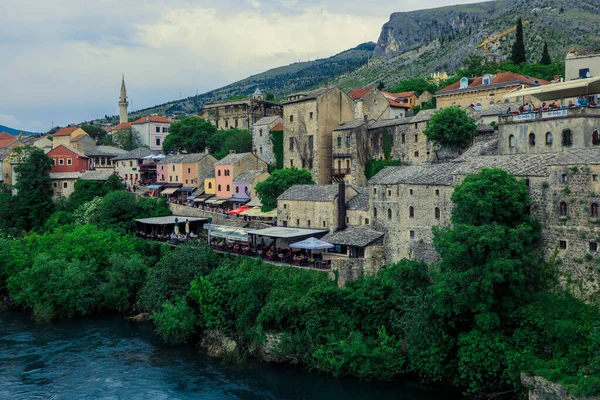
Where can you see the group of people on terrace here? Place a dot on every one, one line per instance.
(162, 236)
(530, 107)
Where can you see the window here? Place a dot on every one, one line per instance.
(69, 161)
(403, 138)
(486, 79)
(366, 221)
(532, 139)
(324, 224)
(237, 189)
(236, 123)
(389, 192)
(564, 178)
(157, 129)
(437, 213)
(291, 144)
(594, 210)
(61, 161)
(310, 115)
(284, 223)
(374, 212)
(210, 185)
(158, 141)
(226, 124)
(189, 170)
(186, 181)
(260, 132)
(284, 206)
(437, 192)
(260, 150)
(416, 138)
(595, 139)
(310, 163)
(291, 163)
(339, 142)
(567, 137)
(595, 178)
(173, 168)
(374, 191)
(593, 247)
(308, 222)
(411, 212)
(511, 141)
(219, 172)
(584, 73)
(227, 173)
(410, 191)
(548, 138)
(303, 163)
(464, 83)
(310, 142)
(291, 118)
(228, 188)
(348, 141)
(298, 222)
(416, 154)
(219, 188)
(176, 178)
(165, 130)
(65, 185)
(563, 209)
(562, 244)
(411, 234)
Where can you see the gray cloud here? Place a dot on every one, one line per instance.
(63, 59)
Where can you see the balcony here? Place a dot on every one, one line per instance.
(549, 113)
(147, 167)
(340, 171)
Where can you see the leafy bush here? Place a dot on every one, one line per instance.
(176, 322)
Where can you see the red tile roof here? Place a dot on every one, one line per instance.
(76, 138)
(66, 131)
(6, 135)
(154, 118)
(124, 125)
(401, 94)
(502, 77)
(278, 127)
(359, 93)
(7, 142)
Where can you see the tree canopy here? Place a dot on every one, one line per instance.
(451, 127)
(418, 85)
(95, 132)
(126, 139)
(189, 134)
(85, 190)
(280, 181)
(222, 142)
(518, 55)
(546, 60)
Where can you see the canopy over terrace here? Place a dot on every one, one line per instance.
(284, 234)
(562, 90)
(227, 232)
(167, 224)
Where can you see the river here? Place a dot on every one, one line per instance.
(110, 358)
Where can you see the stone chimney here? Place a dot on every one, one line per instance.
(341, 205)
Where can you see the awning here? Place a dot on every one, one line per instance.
(169, 191)
(238, 200)
(199, 199)
(170, 220)
(311, 244)
(216, 201)
(256, 212)
(561, 90)
(154, 187)
(228, 232)
(281, 232)
(191, 197)
(187, 189)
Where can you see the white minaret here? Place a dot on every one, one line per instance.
(123, 103)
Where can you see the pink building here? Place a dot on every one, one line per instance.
(230, 167)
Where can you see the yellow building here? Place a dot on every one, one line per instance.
(210, 186)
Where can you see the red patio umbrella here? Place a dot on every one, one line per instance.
(238, 210)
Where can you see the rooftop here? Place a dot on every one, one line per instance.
(104, 151)
(232, 158)
(350, 125)
(137, 154)
(153, 118)
(99, 175)
(267, 120)
(286, 233)
(248, 176)
(359, 93)
(64, 175)
(358, 236)
(66, 131)
(499, 79)
(429, 174)
(360, 201)
(309, 95)
(323, 193)
(424, 115)
(182, 158)
(170, 220)
(382, 123)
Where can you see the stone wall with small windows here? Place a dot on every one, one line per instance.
(549, 132)
(308, 214)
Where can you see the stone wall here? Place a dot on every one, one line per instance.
(349, 269)
(542, 389)
(217, 219)
(307, 214)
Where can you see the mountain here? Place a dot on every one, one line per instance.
(279, 81)
(420, 42)
(16, 132)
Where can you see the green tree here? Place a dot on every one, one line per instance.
(95, 132)
(277, 142)
(86, 190)
(418, 85)
(117, 212)
(33, 201)
(280, 181)
(270, 97)
(237, 97)
(126, 139)
(380, 85)
(518, 55)
(149, 207)
(546, 60)
(189, 135)
(224, 141)
(451, 127)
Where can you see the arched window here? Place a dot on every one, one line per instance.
(548, 138)
(437, 213)
(563, 209)
(389, 213)
(567, 137)
(228, 188)
(532, 139)
(219, 188)
(594, 210)
(237, 189)
(464, 83)
(511, 141)
(374, 213)
(219, 172)
(210, 185)
(595, 139)
(411, 212)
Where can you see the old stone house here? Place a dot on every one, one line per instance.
(133, 166)
(101, 157)
(234, 164)
(261, 137)
(241, 114)
(73, 137)
(374, 104)
(309, 120)
(350, 152)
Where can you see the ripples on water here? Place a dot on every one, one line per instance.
(110, 358)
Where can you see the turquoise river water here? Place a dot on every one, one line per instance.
(110, 358)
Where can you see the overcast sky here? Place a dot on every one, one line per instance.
(62, 60)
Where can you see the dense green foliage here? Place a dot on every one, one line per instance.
(418, 85)
(126, 139)
(277, 141)
(189, 135)
(280, 181)
(374, 166)
(518, 55)
(545, 60)
(85, 191)
(451, 127)
(224, 141)
(96, 132)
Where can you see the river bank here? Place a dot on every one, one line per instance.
(109, 357)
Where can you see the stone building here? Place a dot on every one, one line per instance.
(350, 152)
(261, 137)
(133, 163)
(486, 90)
(123, 103)
(241, 114)
(101, 157)
(375, 104)
(63, 183)
(73, 137)
(309, 120)
(152, 131)
(582, 64)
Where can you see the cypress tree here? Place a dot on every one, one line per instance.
(518, 49)
(545, 55)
